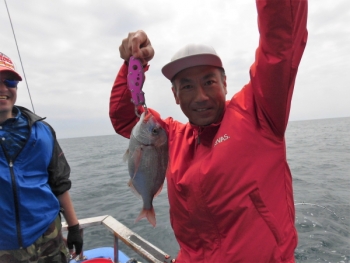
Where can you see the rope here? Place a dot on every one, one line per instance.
(24, 74)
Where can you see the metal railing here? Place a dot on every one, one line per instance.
(141, 246)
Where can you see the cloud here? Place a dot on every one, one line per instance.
(70, 54)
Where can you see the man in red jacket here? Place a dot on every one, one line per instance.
(229, 184)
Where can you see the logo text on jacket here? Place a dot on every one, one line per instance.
(221, 139)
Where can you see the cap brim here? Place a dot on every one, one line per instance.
(174, 67)
(4, 69)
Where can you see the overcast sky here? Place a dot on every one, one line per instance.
(70, 55)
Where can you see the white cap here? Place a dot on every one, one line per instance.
(190, 56)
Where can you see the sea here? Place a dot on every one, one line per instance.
(318, 152)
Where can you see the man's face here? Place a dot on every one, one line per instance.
(201, 93)
(8, 95)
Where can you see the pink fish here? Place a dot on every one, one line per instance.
(147, 158)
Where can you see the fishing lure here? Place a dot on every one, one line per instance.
(136, 78)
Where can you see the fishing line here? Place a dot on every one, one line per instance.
(20, 59)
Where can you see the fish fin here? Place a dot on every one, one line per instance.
(159, 190)
(133, 189)
(149, 214)
(126, 155)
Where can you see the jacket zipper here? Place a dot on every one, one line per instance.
(14, 188)
(15, 198)
(198, 133)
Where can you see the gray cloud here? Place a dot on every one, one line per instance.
(71, 57)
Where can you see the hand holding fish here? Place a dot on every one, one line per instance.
(137, 44)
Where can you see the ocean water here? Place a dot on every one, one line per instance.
(318, 153)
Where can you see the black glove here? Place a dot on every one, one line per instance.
(74, 238)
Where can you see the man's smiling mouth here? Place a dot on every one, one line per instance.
(204, 109)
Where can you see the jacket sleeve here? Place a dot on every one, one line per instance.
(121, 109)
(283, 35)
(59, 170)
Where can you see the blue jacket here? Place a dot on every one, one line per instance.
(29, 185)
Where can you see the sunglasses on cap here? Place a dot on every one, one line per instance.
(10, 83)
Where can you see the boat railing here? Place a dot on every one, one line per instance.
(141, 246)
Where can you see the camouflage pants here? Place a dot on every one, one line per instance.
(49, 248)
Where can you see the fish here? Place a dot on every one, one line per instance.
(147, 157)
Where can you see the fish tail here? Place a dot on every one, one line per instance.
(149, 214)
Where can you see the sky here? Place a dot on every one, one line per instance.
(70, 54)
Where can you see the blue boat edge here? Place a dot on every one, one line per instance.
(102, 252)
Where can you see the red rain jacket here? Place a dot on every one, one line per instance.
(229, 184)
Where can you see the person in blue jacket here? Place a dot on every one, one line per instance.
(34, 183)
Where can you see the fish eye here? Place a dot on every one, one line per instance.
(155, 131)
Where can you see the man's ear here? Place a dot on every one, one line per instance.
(175, 95)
